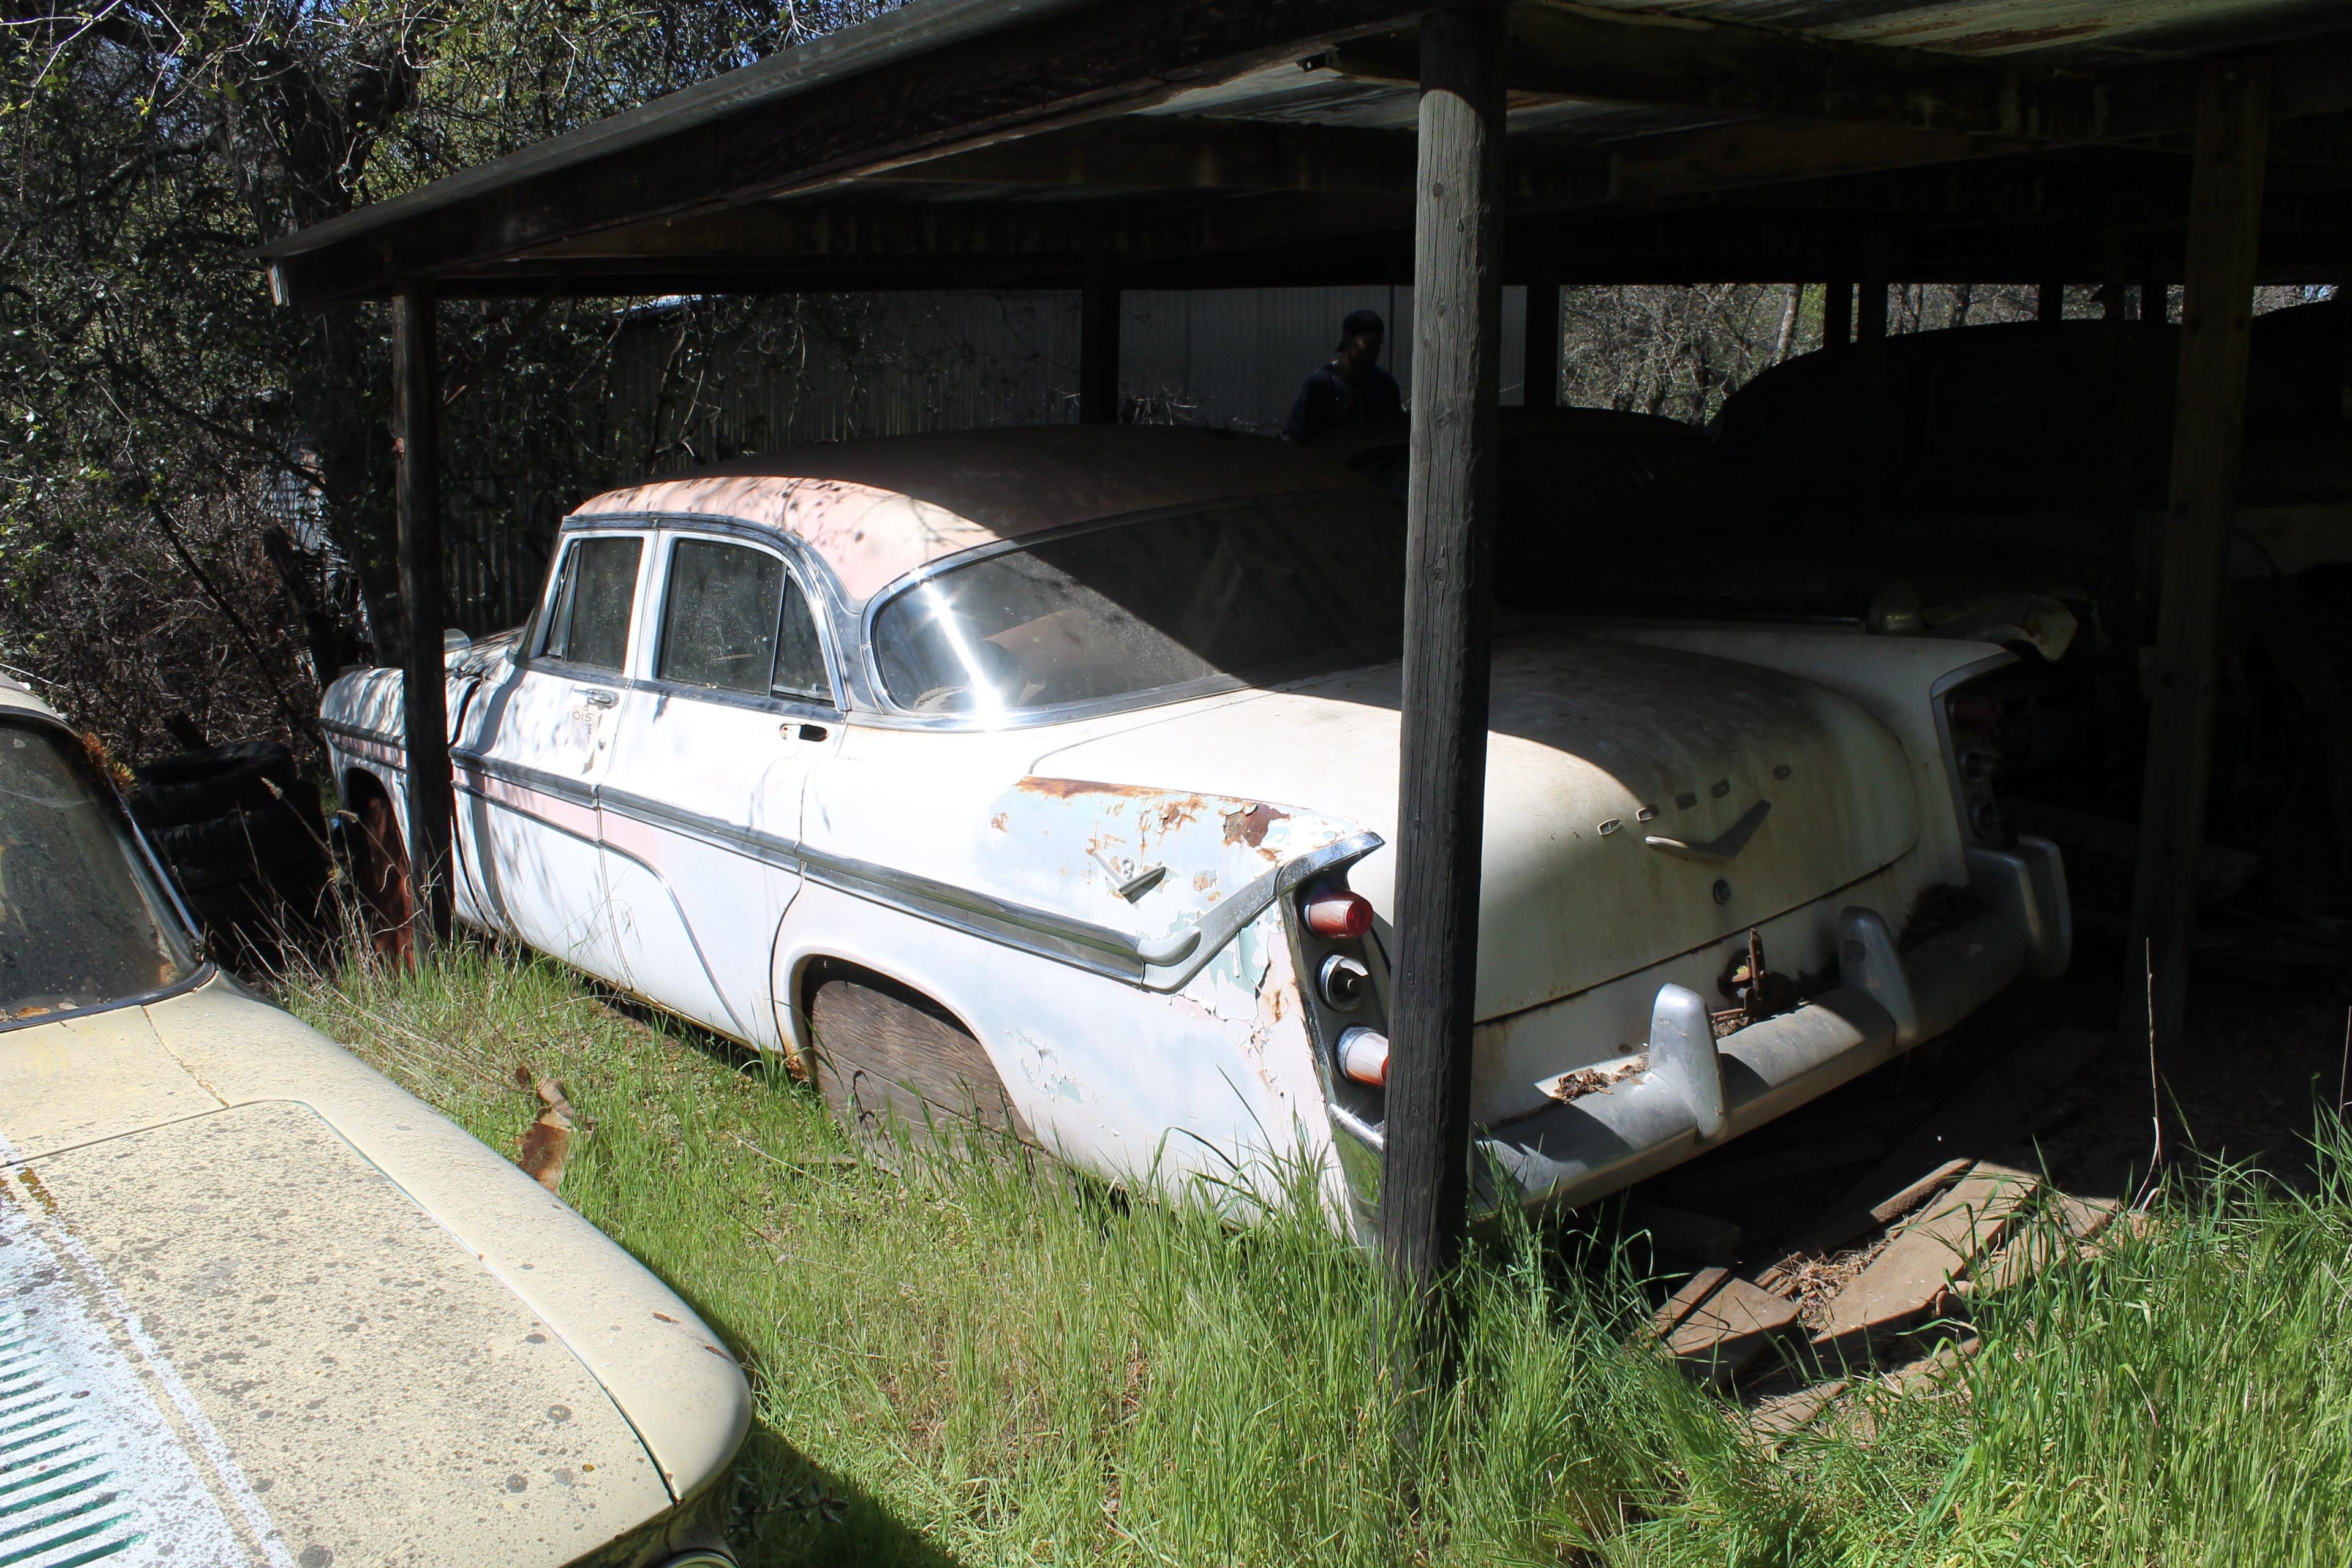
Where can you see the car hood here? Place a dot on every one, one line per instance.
(1596, 751)
(230, 1308)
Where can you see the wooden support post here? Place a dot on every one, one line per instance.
(1880, 434)
(2050, 302)
(416, 443)
(1450, 504)
(2225, 204)
(1099, 340)
(1837, 314)
(1540, 366)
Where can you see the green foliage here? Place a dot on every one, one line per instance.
(149, 147)
(988, 1360)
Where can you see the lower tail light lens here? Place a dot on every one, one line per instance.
(1364, 1056)
(1337, 912)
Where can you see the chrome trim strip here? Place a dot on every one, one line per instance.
(767, 848)
(570, 791)
(359, 732)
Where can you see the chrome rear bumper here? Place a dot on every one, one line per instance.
(1697, 1091)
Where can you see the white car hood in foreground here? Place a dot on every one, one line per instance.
(1587, 737)
(259, 1305)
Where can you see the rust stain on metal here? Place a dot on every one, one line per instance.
(1180, 812)
(1068, 789)
(1249, 824)
(1001, 822)
(1573, 1086)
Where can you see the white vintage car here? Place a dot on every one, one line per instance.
(260, 1305)
(1047, 777)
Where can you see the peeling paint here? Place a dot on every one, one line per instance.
(1249, 824)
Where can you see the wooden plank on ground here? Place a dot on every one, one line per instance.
(1783, 1416)
(2063, 1229)
(1729, 1328)
(1912, 1277)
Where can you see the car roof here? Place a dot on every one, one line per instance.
(1348, 441)
(877, 510)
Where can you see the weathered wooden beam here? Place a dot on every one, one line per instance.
(416, 445)
(2209, 419)
(1563, 50)
(1099, 340)
(1450, 508)
(1773, 151)
(928, 79)
(1162, 152)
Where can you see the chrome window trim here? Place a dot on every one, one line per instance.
(898, 717)
(204, 970)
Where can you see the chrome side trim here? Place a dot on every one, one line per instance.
(767, 848)
(571, 791)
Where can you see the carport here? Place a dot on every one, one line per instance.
(1199, 144)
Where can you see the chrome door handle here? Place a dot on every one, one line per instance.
(595, 697)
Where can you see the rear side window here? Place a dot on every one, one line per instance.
(593, 602)
(718, 620)
(734, 620)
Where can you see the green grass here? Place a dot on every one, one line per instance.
(990, 1362)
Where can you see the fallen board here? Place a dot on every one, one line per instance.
(1724, 1324)
(1912, 1278)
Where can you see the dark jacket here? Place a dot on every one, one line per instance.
(1328, 399)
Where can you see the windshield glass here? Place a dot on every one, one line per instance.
(1253, 590)
(82, 921)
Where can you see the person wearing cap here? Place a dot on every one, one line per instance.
(1352, 388)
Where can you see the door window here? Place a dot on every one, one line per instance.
(734, 620)
(718, 619)
(593, 602)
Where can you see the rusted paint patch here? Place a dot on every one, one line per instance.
(1249, 825)
(1570, 1087)
(1001, 822)
(1069, 789)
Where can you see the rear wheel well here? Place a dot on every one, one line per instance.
(880, 1048)
(377, 852)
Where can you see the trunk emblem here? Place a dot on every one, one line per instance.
(1726, 846)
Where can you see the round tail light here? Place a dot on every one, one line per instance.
(1364, 1056)
(1337, 912)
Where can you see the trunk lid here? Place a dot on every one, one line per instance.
(1780, 790)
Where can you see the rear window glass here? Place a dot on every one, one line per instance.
(1259, 589)
(83, 922)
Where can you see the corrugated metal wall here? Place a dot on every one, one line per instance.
(909, 363)
(884, 364)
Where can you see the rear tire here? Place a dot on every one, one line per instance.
(379, 868)
(884, 1052)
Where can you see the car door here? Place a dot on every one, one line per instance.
(538, 745)
(701, 806)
